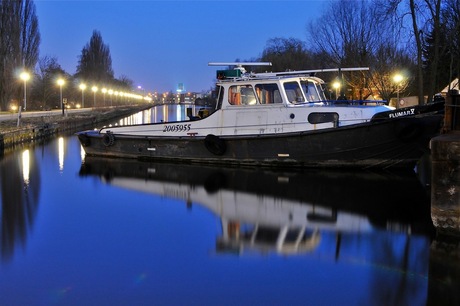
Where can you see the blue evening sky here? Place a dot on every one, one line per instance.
(159, 44)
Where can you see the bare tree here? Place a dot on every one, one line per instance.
(355, 34)
(19, 43)
(424, 17)
(30, 35)
(287, 54)
(9, 29)
(452, 22)
(349, 31)
(44, 85)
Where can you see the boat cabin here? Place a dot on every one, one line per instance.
(268, 88)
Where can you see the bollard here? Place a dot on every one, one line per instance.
(445, 186)
(445, 176)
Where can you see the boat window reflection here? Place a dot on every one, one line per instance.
(268, 93)
(311, 92)
(241, 95)
(293, 92)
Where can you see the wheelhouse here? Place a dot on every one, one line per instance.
(259, 91)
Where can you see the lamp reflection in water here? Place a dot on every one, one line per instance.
(26, 167)
(61, 153)
(82, 153)
(20, 185)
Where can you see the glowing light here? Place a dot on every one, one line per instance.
(24, 76)
(61, 82)
(398, 78)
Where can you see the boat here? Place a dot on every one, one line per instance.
(278, 211)
(279, 120)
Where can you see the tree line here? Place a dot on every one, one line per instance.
(418, 39)
(19, 51)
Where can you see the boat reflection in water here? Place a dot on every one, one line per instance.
(268, 211)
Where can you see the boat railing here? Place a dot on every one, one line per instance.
(356, 102)
(348, 102)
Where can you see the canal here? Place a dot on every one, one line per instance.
(90, 231)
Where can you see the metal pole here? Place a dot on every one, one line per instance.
(25, 94)
(62, 106)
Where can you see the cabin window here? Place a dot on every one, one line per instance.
(268, 93)
(293, 92)
(311, 91)
(241, 95)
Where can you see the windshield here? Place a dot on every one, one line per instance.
(293, 92)
(312, 91)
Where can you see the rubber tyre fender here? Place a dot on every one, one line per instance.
(108, 139)
(215, 145)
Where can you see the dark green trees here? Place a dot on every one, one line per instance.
(95, 63)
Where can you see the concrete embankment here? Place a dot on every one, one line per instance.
(34, 129)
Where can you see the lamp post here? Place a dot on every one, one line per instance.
(104, 90)
(397, 79)
(110, 94)
(94, 89)
(82, 87)
(61, 82)
(25, 77)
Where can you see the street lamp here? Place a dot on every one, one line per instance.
(110, 94)
(104, 90)
(82, 87)
(25, 77)
(94, 89)
(61, 82)
(336, 86)
(397, 79)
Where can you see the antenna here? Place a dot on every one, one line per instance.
(239, 69)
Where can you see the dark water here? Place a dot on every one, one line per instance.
(89, 231)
